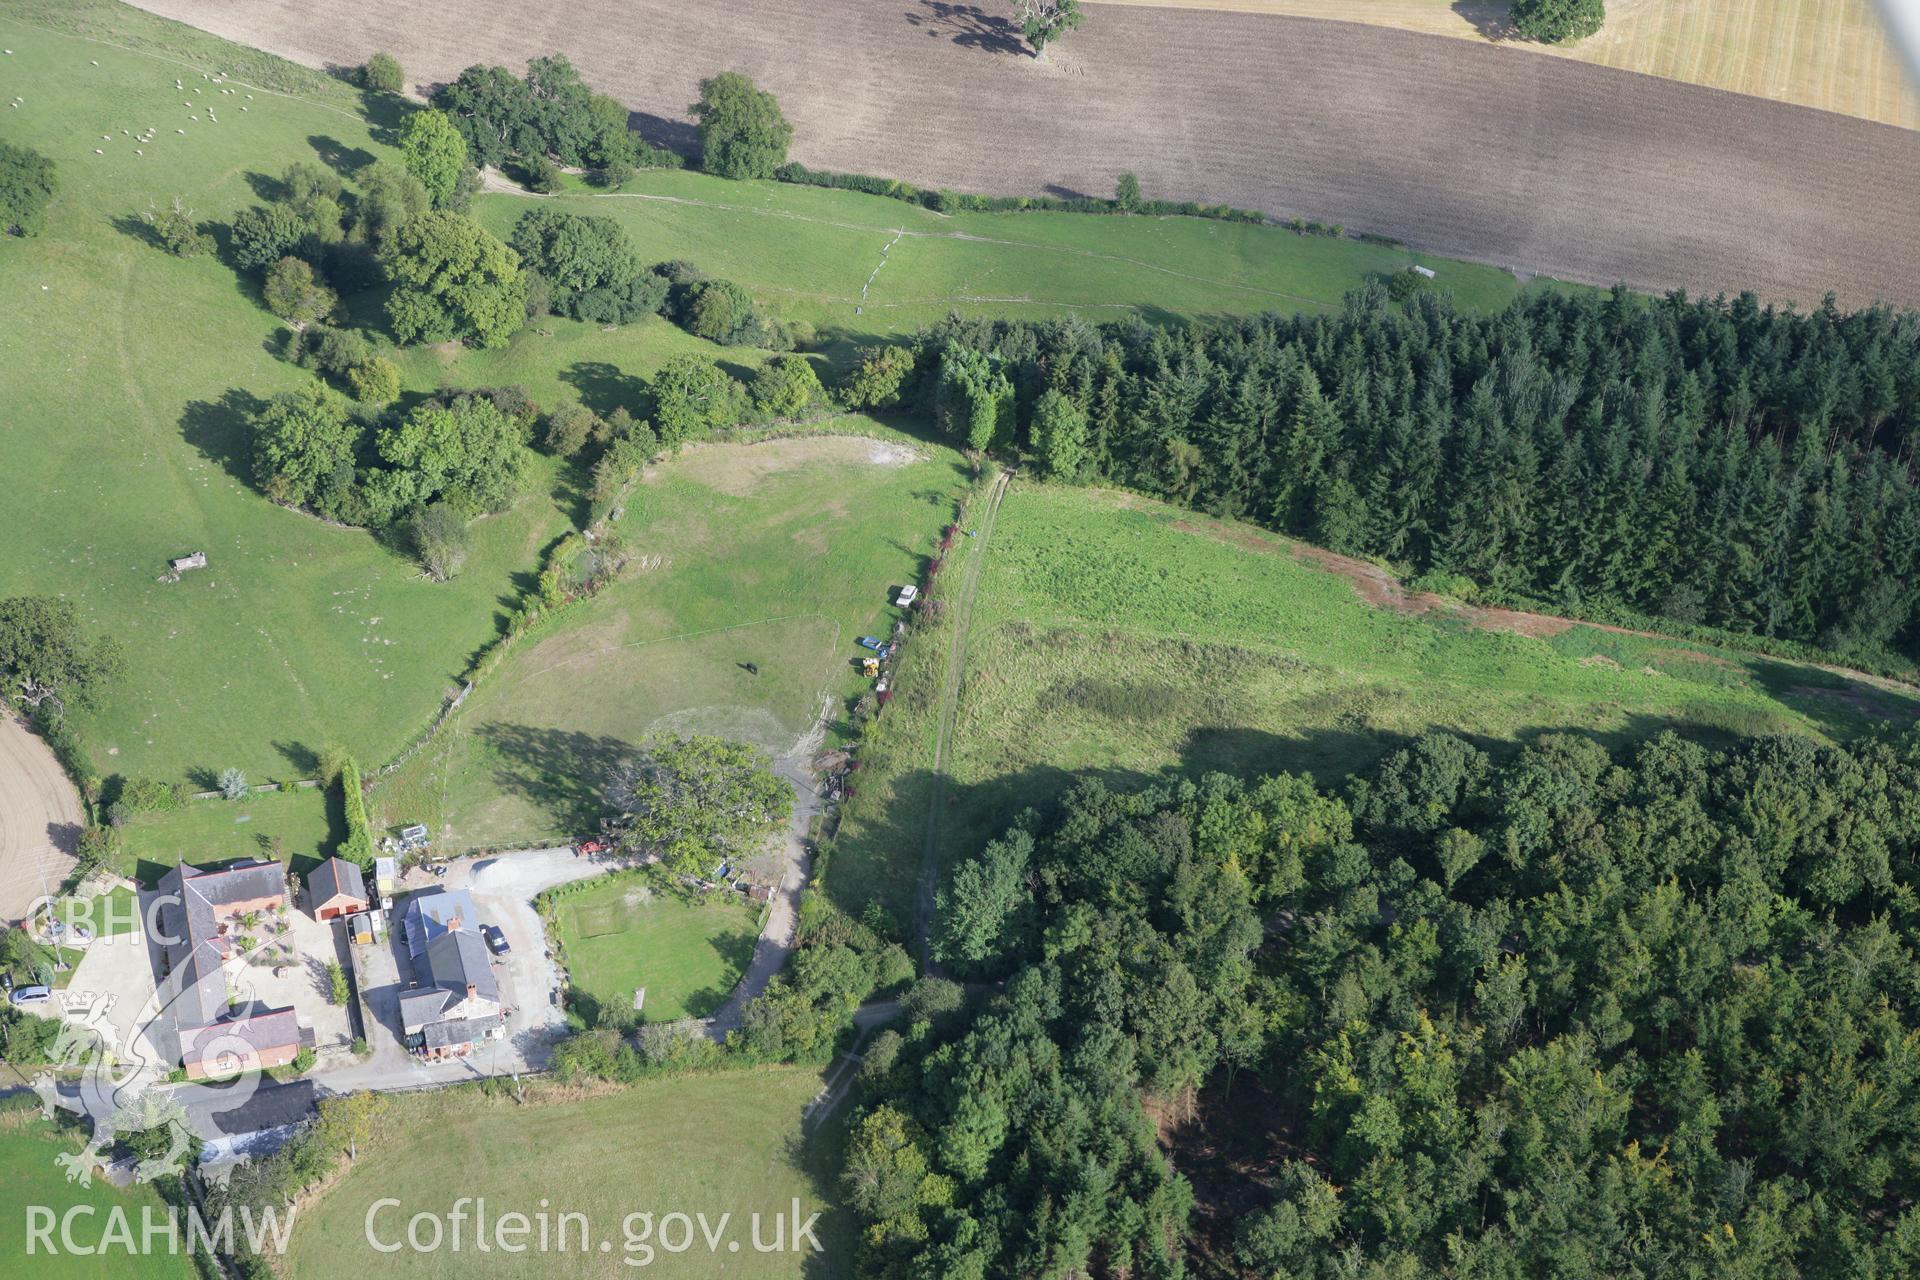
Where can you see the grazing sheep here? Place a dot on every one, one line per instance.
(137, 151)
(179, 130)
(96, 62)
(97, 151)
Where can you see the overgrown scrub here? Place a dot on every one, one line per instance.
(963, 202)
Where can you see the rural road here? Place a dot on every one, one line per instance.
(40, 820)
(949, 712)
(1483, 151)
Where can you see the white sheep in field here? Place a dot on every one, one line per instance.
(179, 130)
(97, 151)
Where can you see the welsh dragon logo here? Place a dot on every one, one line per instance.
(123, 1090)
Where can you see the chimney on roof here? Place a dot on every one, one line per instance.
(453, 924)
(470, 991)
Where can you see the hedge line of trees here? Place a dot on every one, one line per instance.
(1645, 1015)
(549, 115)
(1704, 461)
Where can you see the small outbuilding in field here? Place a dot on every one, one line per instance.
(336, 888)
(198, 560)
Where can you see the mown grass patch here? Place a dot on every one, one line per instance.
(301, 825)
(626, 932)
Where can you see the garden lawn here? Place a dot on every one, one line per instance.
(626, 932)
(28, 1147)
(715, 1144)
(301, 825)
(1120, 639)
(128, 375)
(779, 554)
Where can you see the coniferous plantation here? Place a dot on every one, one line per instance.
(1707, 462)
(1651, 1015)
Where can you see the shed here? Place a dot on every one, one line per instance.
(336, 888)
(1428, 272)
(198, 560)
(386, 875)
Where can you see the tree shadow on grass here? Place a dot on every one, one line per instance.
(603, 387)
(1490, 20)
(219, 430)
(338, 156)
(559, 770)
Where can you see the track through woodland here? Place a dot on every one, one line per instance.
(949, 713)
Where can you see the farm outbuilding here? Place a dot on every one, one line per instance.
(336, 888)
(198, 560)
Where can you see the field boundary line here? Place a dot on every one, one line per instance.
(948, 717)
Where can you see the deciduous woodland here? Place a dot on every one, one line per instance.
(1709, 461)
(1570, 1015)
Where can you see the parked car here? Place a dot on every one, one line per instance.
(35, 994)
(496, 940)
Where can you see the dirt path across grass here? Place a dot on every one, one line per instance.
(40, 820)
(949, 713)
(1483, 151)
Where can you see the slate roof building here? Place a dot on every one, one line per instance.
(454, 1003)
(336, 888)
(195, 918)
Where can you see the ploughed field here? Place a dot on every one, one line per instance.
(1543, 164)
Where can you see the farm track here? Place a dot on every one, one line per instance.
(1498, 154)
(948, 715)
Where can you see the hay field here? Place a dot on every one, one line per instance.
(1481, 151)
(1830, 54)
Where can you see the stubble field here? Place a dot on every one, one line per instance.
(1830, 54)
(1498, 154)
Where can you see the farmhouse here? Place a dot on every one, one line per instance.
(336, 888)
(454, 1003)
(197, 927)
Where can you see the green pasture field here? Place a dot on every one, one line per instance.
(779, 554)
(128, 373)
(860, 267)
(626, 932)
(28, 1147)
(301, 826)
(1117, 638)
(713, 1144)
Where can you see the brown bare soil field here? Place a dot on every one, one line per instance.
(40, 820)
(1536, 163)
